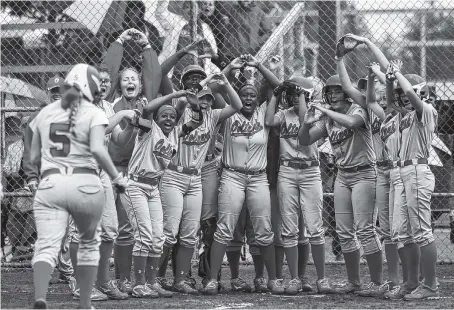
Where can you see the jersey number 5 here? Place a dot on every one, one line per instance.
(59, 134)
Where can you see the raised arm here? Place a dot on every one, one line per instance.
(407, 88)
(380, 57)
(347, 121)
(116, 119)
(347, 86)
(170, 62)
(235, 101)
(156, 103)
(272, 80)
(271, 117)
(371, 98)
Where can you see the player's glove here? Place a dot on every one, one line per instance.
(393, 68)
(120, 183)
(342, 50)
(33, 185)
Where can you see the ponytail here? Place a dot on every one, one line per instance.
(71, 100)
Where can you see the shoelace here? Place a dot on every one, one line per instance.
(386, 284)
(261, 281)
(241, 281)
(293, 281)
(370, 285)
(396, 289)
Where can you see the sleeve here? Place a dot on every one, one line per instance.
(361, 112)
(99, 118)
(429, 115)
(321, 124)
(280, 114)
(34, 124)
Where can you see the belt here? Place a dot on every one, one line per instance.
(210, 157)
(300, 164)
(145, 180)
(243, 171)
(410, 162)
(189, 171)
(384, 164)
(75, 171)
(355, 169)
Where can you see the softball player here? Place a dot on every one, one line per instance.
(181, 188)
(348, 128)
(417, 128)
(244, 179)
(383, 165)
(68, 139)
(299, 183)
(155, 147)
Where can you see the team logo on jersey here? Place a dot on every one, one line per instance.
(289, 130)
(338, 137)
(376, 124)
(163, 150)
(387, 131)
(244, 128)
(406, 122)
(197, 137)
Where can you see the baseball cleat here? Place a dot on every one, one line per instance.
(398, 292)
(143, 291)
(423, 292)
(40, 304)
(276, 287)
(185, 288)
(260, 285)
(95, 295)
(305, 285)
(294, 287)
(348, 288)
(374, 290)
(156, 286)
(125, 286)
(323, 287)
(211, 288)
(165, 284)
(111, 290)
(239, 285)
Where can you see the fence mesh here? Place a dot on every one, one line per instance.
(41, 40)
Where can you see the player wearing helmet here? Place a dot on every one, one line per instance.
(299, 184)
(69, 141)
(348, 128)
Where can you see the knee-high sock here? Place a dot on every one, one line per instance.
(140, 264)
(352, 260)
(164, 261)
(233, 257)
(259, 265)
(183, 262)
(303, 258)
(429, 261)
(152, 269)
(280, 253)
(41, 276)
(413, 257)
(404, 263)
(318, 255)
(269, 257)
(124, 260)
(392, 260)
(216, 257)
(292, 261)
(73, 248)
(86, 276)
(375, 263)
(105, 252)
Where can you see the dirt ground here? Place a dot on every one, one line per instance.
(17, 292)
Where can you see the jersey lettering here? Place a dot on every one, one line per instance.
(289, 130)
(163, 150)
(59, 133)
(387, 131)
(406, 122)
(243, 128)
(376, 126)
(197, 138)
(339, 136)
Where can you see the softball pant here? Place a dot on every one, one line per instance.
(354, 204)
(400, 230)
(144, 209)
(59, 196)
(125, 235)
(383, 205)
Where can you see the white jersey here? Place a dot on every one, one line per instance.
(60, 148)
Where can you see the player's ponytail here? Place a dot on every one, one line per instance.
(71, 100)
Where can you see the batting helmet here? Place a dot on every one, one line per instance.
(333, 82)
(304, 83)
(191, 69)
(86, 79)
(318, 88)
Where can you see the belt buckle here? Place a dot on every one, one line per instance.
(414, 161)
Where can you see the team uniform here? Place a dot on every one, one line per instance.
(70, 183)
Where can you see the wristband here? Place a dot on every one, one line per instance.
(197, 116)
(120, 40)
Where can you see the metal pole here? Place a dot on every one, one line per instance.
(423, 52)
(338, 20)
(194, 11)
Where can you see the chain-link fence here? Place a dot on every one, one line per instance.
(41, 40)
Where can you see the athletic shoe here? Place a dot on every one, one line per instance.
(348, 288)
(294, 287)
(374, 290)
(339, 258)
(211, 288)
(40, 304)
(143, 291)
(165, 284)
(276, 287)
(260, 285)
(398, 292)
(191, 282)
(305, 285)
(436, 282)
(323, 287)
(111, 262)
(63, 279)
(161, 292)
(239, 285)
(125, 286)
(423, 292)
(185, 288)
(72, 284)
(95, 295)
(111, 290)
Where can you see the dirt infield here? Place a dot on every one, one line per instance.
(17, 292)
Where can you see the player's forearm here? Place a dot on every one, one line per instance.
(235, 101)
(170, 62)
(104, 161)
(381, 58)
(31, 171)
(35, 152)
(271, 112)
(347, 121)
(389, 96)
(347, 85)
(269, 76)
(304, 136)
(114, 120)
(407, 88)
(125, 136)
(156, 103)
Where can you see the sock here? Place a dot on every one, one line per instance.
(375, 264)
(42, 272)
(216, 258)
(140, 263)
(404, 263)
(429, 262)
(164, 261)
(115, 255)
(280, 252)
(233, 257)
(269, 257)
(318, 255)
(124, 258)
(352, 260)
(392, 260)
(292, 261)
(421, 270)
(259, 266)
(152, 269)
(183, 262)
(413, 257)
(86, 276)
(105, 251)
(73, 248)
(303, 258)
